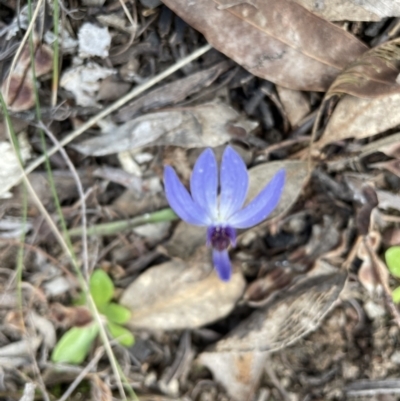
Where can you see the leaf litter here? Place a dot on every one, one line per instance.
(308, 311)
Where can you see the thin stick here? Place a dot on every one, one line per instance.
(115, 106)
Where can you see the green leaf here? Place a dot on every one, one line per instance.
(75, 344)
(101, 288)
(123, 335)
(392, 257)
(396, 295)
(116, 313)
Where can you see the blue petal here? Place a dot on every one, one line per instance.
(180, 200)
(204, 182)
(222, 264)
(262, 205)
(234, 183)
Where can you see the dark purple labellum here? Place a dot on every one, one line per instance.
(221, 237)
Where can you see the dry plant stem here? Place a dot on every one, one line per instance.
(115, 106)
(85, 254)
(82, 375)
(84, 283)
(37, 370)
(85, 257)
(386, 290)
(21, 46)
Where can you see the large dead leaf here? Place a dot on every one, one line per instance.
(353, 10)
(374, 74)
(175, 296)
(173, 92)
(278, 40)
(291, 316)
(360, 118)
(199, 126)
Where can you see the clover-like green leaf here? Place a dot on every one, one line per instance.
(392, 257)
(75, 344)
(101, 288)
(116, 313)
(396, 295)
(121, 334)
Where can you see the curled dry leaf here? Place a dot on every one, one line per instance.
(175, 296)
(373, 273)
(352, 10)
(372, 103)
(17, 88)
(189, 127)
(173, 92)
(373, 74)
(295, 48)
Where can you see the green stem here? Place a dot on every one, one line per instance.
(115, 227)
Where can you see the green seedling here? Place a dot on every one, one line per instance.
(392, 257)
(76, 343)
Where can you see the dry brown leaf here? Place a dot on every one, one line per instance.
(389, 145)
(278, 40)
(175, 296)
(17, 88)
(360, 118)
(239, 373)
(386, 8)
(295, 104)
(352, 10)
(291, 316)
(185, 240)
(173, 92)
(190, 127)
(100, 391)
(373, 74)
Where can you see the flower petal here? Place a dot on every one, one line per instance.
(234, 183)
(262, 205)
(180, 200)
(222, 264)
(204, 182)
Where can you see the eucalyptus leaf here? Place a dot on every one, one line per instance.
(75, 344)
(392, 257)
(101, 288)
(123, 335)
(116, 313)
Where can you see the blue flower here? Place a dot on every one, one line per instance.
(224, 215)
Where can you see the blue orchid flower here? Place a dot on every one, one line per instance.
(224, 215)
